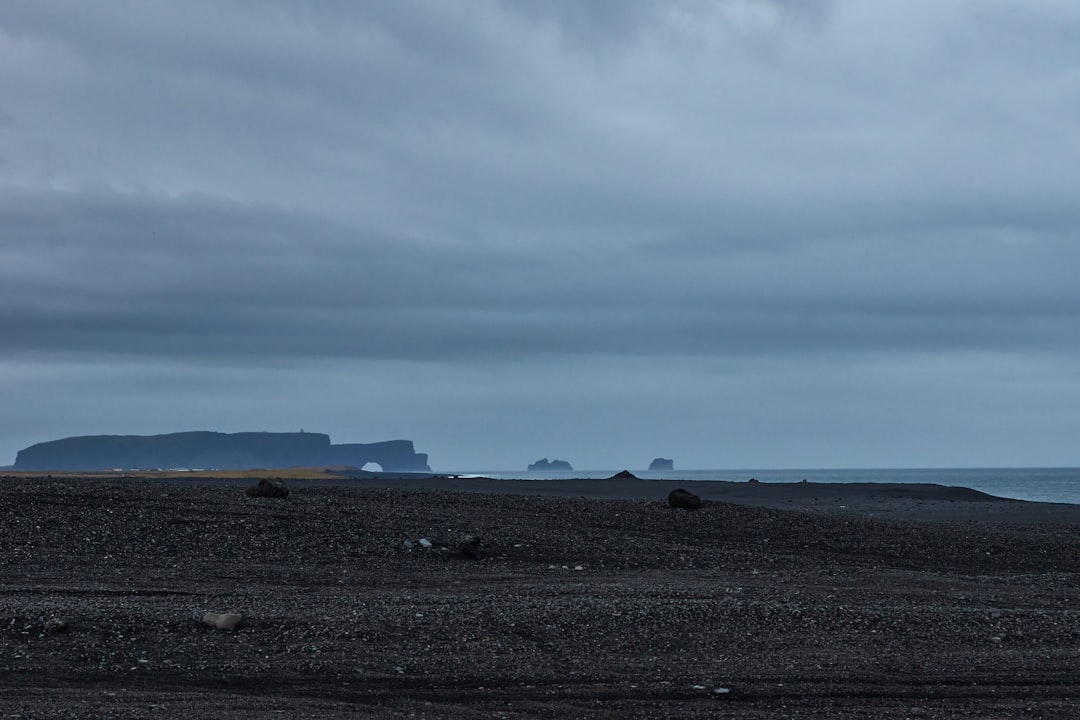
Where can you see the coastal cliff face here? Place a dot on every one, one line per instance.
(544, 464)
(225, 451)
(391, 455)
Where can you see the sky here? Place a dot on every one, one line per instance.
(734, 233)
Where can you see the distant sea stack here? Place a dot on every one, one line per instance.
(544, 464)
(662, 464)
(212, 450)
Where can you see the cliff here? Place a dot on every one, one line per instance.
(662, 464)
(544, 464)
(206, 450)
(391, 455)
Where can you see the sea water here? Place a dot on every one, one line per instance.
(1058, 485)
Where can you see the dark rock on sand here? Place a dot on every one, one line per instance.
(271, 488)
(55, 625)
(624, 475)
(679, 498)
(470, 549)
(544, 464)
(662, 464)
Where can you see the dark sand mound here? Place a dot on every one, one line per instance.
(900, 501)
(355, 603)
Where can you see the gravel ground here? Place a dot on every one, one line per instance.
(577, 607)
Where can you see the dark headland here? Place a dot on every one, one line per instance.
(206, 450)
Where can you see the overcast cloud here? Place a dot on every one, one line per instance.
(738, 233)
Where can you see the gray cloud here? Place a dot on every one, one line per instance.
(104, 273)
(597, 187)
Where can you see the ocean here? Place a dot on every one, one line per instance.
(1056, 485)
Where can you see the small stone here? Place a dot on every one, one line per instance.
(408, 544)
(425, 543)
(223, 621)
(55, 625)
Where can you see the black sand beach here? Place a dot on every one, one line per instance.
(587, 599)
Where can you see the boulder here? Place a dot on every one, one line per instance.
(470, 549)
(662, 464)
(271, 488)
(624, 475)
(679, 498)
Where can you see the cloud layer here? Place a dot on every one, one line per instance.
(621, 224)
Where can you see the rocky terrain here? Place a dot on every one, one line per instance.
(372, 602)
